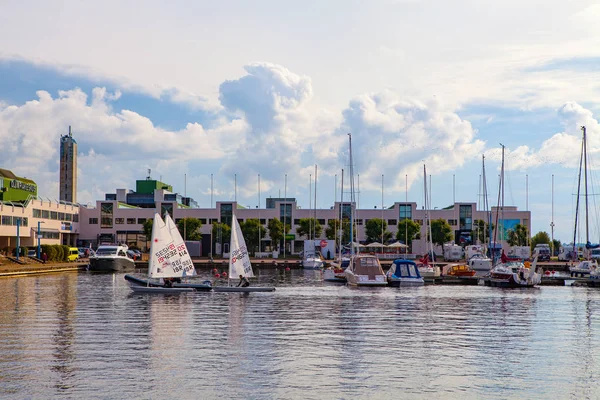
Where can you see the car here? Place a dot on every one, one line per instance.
(31, 253)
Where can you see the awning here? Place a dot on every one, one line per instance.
(45, 230)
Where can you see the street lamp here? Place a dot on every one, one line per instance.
(39, 237)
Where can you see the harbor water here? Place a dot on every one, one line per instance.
(83, 335)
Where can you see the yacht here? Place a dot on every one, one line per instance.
(583, 268)
(514, 274)
(480, 264)
(111, 258)
(365, 270)
(404, 273)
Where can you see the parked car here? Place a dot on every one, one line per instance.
(31, 253)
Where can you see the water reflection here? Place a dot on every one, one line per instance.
(83, 335)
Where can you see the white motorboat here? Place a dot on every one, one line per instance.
(111, 258)
(404, 273)
(365, 270)
(481, 264)
(583, 268)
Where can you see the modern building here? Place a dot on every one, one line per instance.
(68, 169)
(23, 214)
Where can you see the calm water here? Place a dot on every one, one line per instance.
(87, 336)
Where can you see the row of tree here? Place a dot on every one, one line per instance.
(407, 231)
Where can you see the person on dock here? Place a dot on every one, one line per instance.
(243, 281)
(44, 257)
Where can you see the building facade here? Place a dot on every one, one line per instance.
(68, 168)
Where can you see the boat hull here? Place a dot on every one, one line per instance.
(111, 264)
(405, 282)
(247, 289)
(160, 289)
(365, 280)
(506, 281)
(135, 281)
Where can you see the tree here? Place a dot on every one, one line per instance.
(190, 228)
(408, 230)
(252, 229)
(481, 230)
(556, 245)
(306, 227)
(518, 235)
(276, 229)
(221, 233)
(346, 231)
(374, 228)
(148, 228)
(540, 238)
(441, 232)
(332, 230)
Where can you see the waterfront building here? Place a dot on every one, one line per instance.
(22, 211)
(68, 168)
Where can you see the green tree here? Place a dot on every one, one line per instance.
(221, 233)
(306, 226)
(374, 228)
(481, 230)
(252, 229)
(276, 229)
(346, 231)
(540, 238)
(408, 230)
(555, 247)
(518, 235)
(441, 232)
(332, 230)
(148, 228)
(191, 228)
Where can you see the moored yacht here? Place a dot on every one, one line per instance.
(365, 270)
(111, 258)
(583, 268)
(404, 273)
(514, 274)
(480, 264)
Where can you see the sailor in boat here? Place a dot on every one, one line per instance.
(244, 282)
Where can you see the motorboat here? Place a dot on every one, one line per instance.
(583, 268)
(514, 274)
(404, 273)
(365, 270)
(111, 258)
(427, 270)
(335, 272)
(480, 264)
(459, 270)
(313, 261)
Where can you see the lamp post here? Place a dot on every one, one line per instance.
(39, 237)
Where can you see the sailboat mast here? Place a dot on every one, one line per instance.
(315, 210)
(587, 226)
(341, 216)
(351, 173)
(578, 194)
(486, 204)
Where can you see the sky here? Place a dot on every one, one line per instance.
(241, 100)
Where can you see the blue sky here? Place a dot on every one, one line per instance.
(194, 89)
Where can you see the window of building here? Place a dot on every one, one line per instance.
(37, 213)
(203, 221)
(226, 213)
(405, 211)
(285, 213)
(177, 220)
(53, 215)
(262, 221)
(346, 211)
(46, 214)
(141, 221)
(452, 222)
(130, 221)
(392, 222)
(68, 217)
(466, 221)
(296, 222)
(166, 208)
(419, 221)
(215, 220)
(93, 221)
(119, 221)
(61, 216)
(6, 220)
(359, 222)
(75, 217)
(106, 215)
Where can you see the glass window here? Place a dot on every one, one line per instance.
(392, 222)
(53, 215)
(46, 214)
(285, 213)
(405, 211)
(452, 222)
(119, 221)
(465, 221)
(166, 208)
(6, 220)
(130, 221)
(93, 221)
(141, 221)
(37, 213)
(226, 213)
(68, 217)
(75, 217)
(106, 215)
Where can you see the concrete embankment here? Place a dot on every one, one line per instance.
(10, 270)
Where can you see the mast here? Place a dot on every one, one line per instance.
(587, 226)
(486, 205)
(341, 217)
(315, 210)
(428, 235)
(351, 173)
(578, 193)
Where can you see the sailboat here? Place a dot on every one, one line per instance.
(335, 271)
(169, 258)
(512, 274)
(588, 266)
(239, 262)
(426, 270)
(363, 269)
(478, 261)
(312, 258)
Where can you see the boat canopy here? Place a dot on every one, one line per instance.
(404, 269)
(367, 265)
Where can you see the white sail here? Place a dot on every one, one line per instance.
(161, 250)
(239, 261)
(182, 258)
